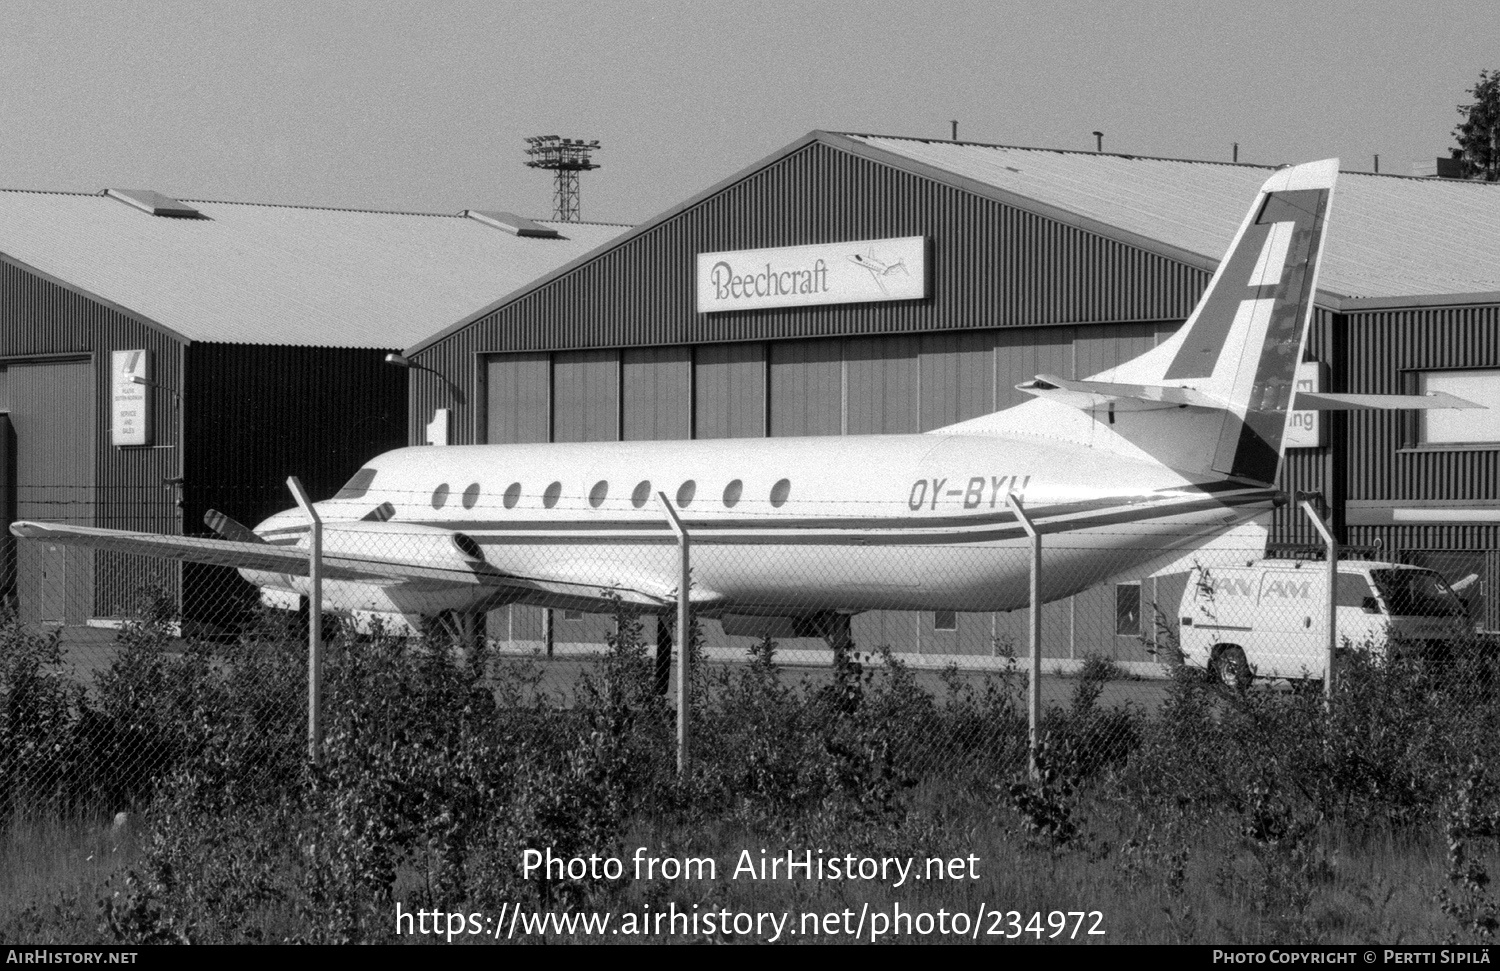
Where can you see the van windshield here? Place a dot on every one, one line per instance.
(1416, 593)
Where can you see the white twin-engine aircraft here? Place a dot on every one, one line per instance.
(1160, 453)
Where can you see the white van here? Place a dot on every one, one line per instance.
(1269, 619)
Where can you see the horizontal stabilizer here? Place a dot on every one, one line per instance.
(1123, 397)
(1324, 401)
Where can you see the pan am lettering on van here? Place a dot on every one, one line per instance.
(1234, 586)
(1289, 589)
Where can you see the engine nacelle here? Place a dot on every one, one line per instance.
(407, 542)
(420, 546)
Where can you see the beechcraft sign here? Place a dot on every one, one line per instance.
(803, 276)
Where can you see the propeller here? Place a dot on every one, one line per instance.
(230, 528)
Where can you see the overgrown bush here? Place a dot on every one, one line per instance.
(44, 758)
(443, 765)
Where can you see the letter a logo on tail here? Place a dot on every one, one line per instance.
(1243, 343)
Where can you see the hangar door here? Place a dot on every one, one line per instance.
(52, 417)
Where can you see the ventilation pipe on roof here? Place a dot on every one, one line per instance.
(1377, 163)
(954, 123)
(155, 203)
(1236, 152)
(1098, 141)
(513, 224)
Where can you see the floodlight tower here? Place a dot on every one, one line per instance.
(567, 157)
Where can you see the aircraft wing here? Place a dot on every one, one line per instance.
(290, 560)
(364, 566)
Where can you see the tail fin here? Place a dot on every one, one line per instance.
(1242, 344)
(1233, 364)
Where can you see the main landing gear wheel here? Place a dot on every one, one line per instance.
(1230, 668)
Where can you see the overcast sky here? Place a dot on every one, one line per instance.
(423, 106)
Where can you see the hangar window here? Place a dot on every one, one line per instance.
(1128, 609)
(641, 494)
(685, 493)
(732, 493)
(550, 497)
(440, 496)
(779, 493)
(945, 620)
(1465, 426)
(598, 493)
(357, 486)
(512, 495)
(471, 495)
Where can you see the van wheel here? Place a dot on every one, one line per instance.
(1230, 668)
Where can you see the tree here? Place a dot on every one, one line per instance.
(1479, 135)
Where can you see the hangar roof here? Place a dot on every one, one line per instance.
(264, 274)
(1390, 236)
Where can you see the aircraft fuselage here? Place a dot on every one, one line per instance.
(899, 522)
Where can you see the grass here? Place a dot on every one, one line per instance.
(1264, 818)
(53, 872)
(1196, 883)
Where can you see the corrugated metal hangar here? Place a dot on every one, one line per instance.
(1034, 261)
(257, 338)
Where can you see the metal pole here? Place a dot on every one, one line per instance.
(1034, 702)
(1332, 556)
(684, 633)
(314, 622)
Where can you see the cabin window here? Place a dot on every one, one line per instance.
(732, 493)
(572, 615)
(357, 486)
(945, 620)
(440, 496)
(685, 493)
(471, 495)
(512, 495)
(1465, 426)
(1128, 609)
(550, 497)
(641, 494)
(598, 493)
(779, 493)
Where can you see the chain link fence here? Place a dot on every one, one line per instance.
(494, 687)
(117, 665)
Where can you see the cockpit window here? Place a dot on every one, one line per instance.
(357, 486)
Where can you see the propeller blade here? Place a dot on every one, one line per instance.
(379, 514)
(229, 528)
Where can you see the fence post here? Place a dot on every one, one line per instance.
(684, 634)
(1332, 556)
(1034, 702)
(314, 622)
